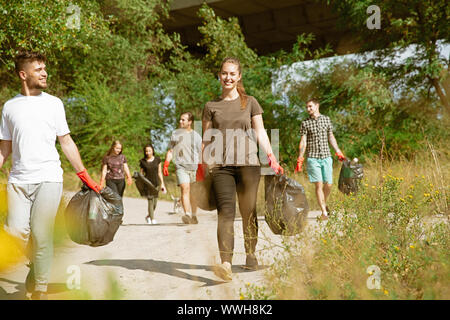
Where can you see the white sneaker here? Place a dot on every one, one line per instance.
(154, 221)
(223, 271)
(148, 220)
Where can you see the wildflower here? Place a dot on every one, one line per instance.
(386, 260)
(323, 240)
(426, 194)
(370, 227)
(412, 246)
(402, 200)
(437, 192)
(373, 187)
(241, 297)
(410, 196)
(385, 292)
(366, 185)
(411, 187)
(396, 248)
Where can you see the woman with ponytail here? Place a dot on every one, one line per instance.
(233, 127)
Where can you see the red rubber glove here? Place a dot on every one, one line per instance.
(166, 168)
(84, 176)
(273, 163)
(298, 168)
(200, 176)
(340, 156)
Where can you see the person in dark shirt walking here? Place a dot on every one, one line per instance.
(151, 168)
(114, 169)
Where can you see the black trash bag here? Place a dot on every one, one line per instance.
(202, 193)
(350, 176)
(144, 186)
(286, 205)
(93, 219)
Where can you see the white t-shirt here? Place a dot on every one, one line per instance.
(32, 123)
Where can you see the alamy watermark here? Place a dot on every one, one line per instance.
(224, 147)
(374, 21)
(374, 279)
(74, 18)
(73, 281)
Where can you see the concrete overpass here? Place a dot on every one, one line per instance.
(267, 25)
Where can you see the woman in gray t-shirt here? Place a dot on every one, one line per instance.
(233, 127)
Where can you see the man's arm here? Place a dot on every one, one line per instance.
(167, 162)
(301, 153)
(302, 146)
(5, 151)
(169, 155)
(333, 143)
(71, 152)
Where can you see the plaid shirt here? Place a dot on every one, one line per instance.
(317, 132)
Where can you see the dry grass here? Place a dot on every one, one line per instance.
(398, 222)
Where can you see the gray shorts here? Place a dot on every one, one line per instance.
(185, 176)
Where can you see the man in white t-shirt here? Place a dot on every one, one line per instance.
(30, 124)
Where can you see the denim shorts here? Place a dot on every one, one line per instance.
(185, 176)
(320, 170)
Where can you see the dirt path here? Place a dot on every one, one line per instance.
(170, 260)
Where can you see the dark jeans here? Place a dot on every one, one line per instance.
(227, 181)
(118, 185)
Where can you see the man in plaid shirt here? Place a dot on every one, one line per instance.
(316, 132)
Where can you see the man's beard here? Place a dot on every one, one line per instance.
(37, 85)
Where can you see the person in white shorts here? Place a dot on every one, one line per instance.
(185, 147)
(30, 124)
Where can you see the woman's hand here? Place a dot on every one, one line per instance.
(129, 181)
(273, 163)
(163, 189)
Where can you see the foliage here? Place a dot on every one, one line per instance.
(367, 119)
(142, 78)
(420, 24)
(102, 115)
(397, 222)
(45, 26)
